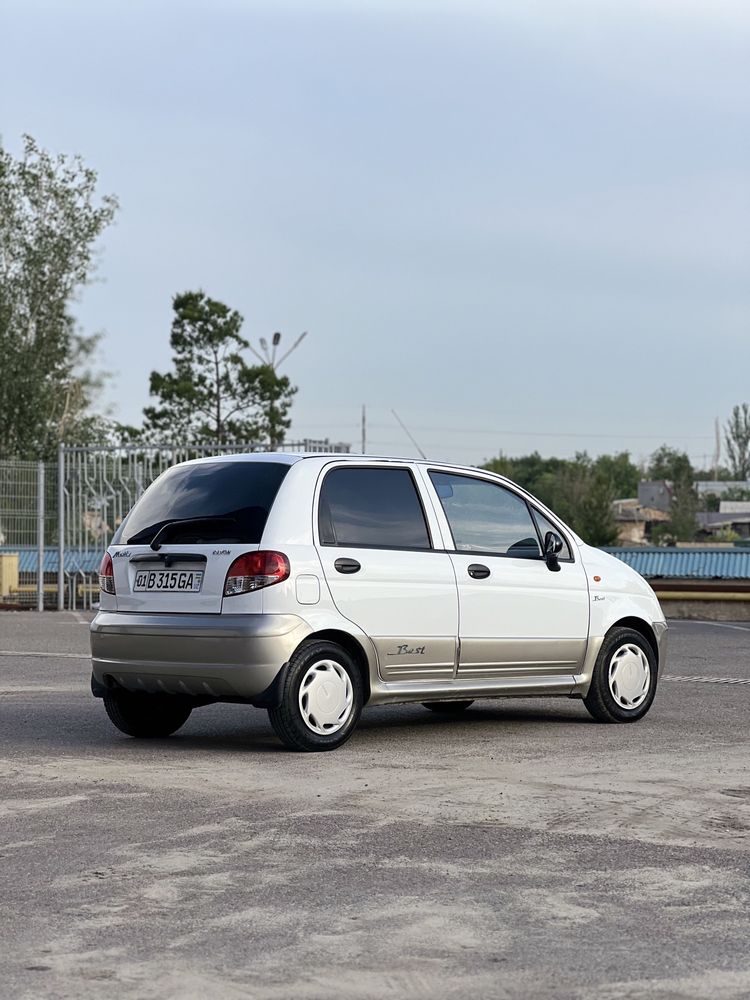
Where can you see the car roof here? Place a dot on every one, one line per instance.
(290, 458)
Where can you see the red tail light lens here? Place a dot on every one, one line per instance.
(255, 570)
(107, 574)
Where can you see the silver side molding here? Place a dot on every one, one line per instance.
(431, 689)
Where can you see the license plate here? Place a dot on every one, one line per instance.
(168, 580)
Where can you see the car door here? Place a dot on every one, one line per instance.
(517, 616)
(374, 536)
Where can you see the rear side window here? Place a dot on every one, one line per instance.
(376, 508)
(212, 502)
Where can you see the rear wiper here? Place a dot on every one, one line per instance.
(156, 544)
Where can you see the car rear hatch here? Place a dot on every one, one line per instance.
(174, 550)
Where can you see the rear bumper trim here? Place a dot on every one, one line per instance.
(214, 656)
(230, 626)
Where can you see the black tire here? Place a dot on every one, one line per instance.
(288, 720)
(146, 716)
(447, 707)
(600, 700)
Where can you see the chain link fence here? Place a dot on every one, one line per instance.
(57, 518)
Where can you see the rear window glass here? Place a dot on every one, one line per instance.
(377, 508)
(212, 502)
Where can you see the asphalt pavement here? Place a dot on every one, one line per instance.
(519, 851)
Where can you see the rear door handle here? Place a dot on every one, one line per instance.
(479, 572)
(347, 566)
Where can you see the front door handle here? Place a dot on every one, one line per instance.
(347, 566)
(479, 572)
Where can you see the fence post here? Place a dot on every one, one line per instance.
(61, 527)
(40, 537)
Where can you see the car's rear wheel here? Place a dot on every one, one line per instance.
(321, 698)
(624, 681)
(147, 716)
(448, 707)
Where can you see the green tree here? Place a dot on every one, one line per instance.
(670, 464)
(536, 474)
(49, 223)
(675, 467)
(585, 498)
(622, 475)
(682, 521)
(212, 394)
(737, 439)
(579, 490)
(594, 519)
(716, 474)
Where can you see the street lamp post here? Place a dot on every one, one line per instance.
(268, 358)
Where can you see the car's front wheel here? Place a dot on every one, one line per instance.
(321, 698)
(624, 681)
(146, 715)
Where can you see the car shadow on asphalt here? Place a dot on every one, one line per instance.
(223, 728)
(384, 716)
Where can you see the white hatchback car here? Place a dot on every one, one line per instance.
(312, 585)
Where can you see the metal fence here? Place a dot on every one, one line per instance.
(57, 518)
(28, 533)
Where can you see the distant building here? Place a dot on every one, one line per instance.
(636, 517)
(734, 506)
(657, 494)
(713, 523)
(636, 521)
(732, 517)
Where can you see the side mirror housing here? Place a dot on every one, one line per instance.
(553, 546)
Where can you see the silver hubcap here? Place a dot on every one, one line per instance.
(629, 676)
(326, 697)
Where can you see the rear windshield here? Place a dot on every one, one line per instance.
(212, 502)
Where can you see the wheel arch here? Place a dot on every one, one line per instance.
(642, 626)
(353, 647)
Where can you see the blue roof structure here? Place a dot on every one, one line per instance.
(76, 560)
(664, 562)
(687, 564)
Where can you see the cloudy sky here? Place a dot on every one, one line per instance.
(519, 224)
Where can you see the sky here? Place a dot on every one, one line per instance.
(520, 225)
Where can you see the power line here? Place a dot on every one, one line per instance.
(626, 435)
(447, 446)
(582, 434)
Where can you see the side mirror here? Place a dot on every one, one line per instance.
(553, 546)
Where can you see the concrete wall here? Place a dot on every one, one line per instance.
(707, 611)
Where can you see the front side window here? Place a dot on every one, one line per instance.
(544, 524)
(376, 508)
(486, 517)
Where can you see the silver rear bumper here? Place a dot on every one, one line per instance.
(207, 656)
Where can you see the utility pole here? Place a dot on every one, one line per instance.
(364, 429)
(717, 449)
(268, 358)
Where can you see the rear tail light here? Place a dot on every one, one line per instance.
(107, 574)
(255, 570)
